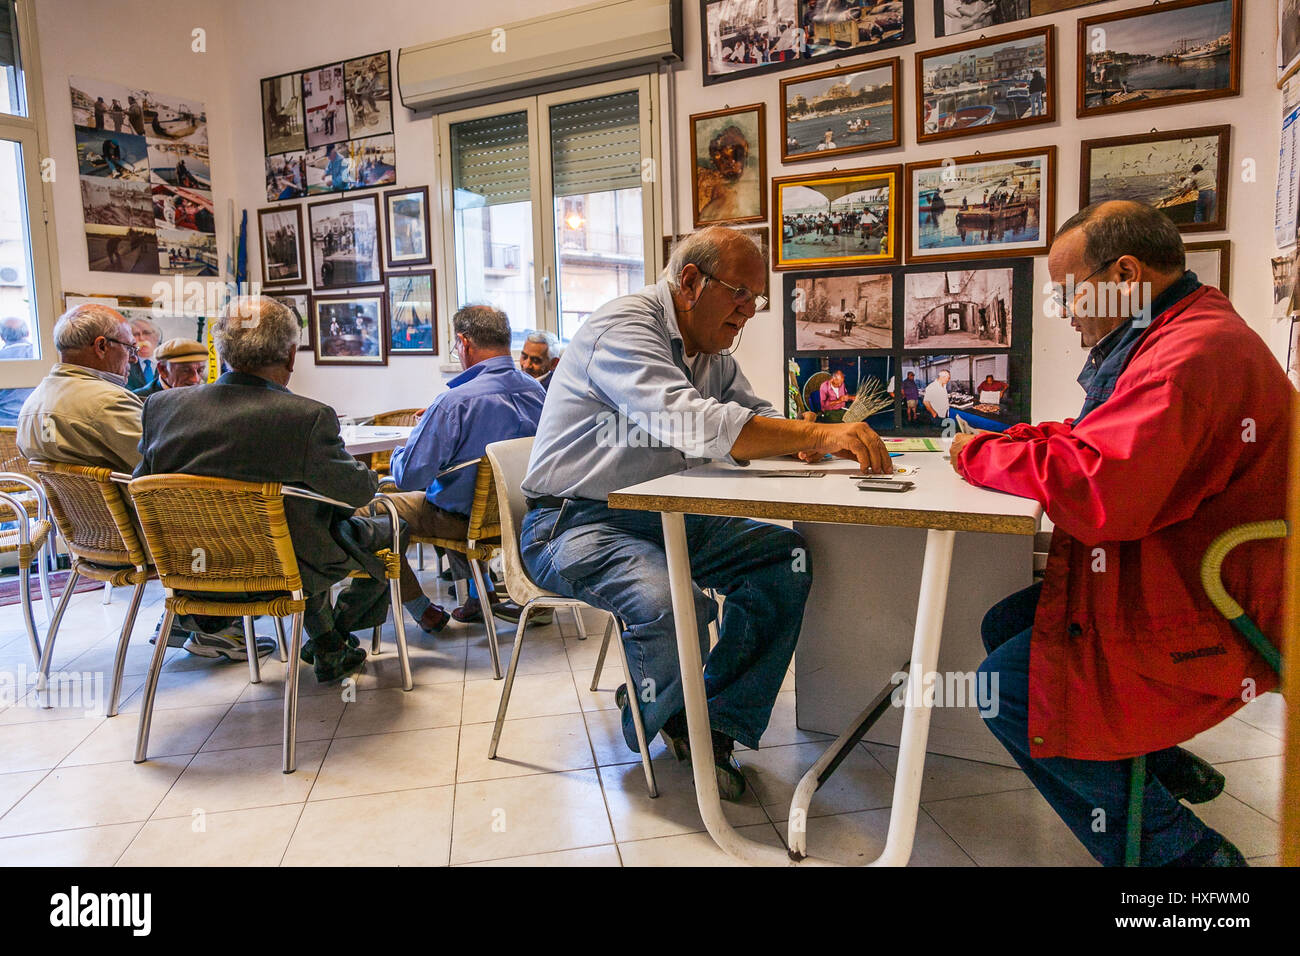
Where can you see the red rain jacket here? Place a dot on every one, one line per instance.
(1128, 655)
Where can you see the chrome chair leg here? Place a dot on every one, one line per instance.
(577, 620)
(281, 643)
(119, 660)
(419, 555)
(375, 638)
(43, 662)
(108, 594)
(490, 622)
(510, 682)
(634, 701)
(250, 644)
(604, 648)
(399, 626)
(151, 687)
(46, 594)
(291, 698)
(29, 618)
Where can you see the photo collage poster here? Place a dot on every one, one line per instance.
(146, 182)
(329, 129)
(904, 349)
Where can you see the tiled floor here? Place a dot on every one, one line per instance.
(386, 777)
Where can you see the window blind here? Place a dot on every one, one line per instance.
(596, 145)
(489, 160)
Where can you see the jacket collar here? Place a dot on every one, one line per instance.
(71, 370)
(248, 381)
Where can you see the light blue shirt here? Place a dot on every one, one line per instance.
(493, 401)
(626, 405)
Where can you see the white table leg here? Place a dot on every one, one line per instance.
(697, 707)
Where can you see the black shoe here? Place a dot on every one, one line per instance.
(676, 736)
(331, 665)
(731, 783)
(1213, 849)
(1190, 778)
(308, 652)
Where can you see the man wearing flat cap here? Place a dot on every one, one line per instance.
(181, 363)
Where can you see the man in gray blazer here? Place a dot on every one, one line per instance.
(248, 426)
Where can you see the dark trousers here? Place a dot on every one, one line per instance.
(1091, 796)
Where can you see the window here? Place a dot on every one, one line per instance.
(549, 203)
(25, 287)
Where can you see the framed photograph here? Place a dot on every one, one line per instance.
(834, 313)
(325, 102)
(963, 16)
(981, 388)
(286, 176)
(1183, 173)
(730, 167)
(986, 85)
(958, 309)
(1182, 51)
(284, 261)
(1293, 354)
(371, 162)
(406, 224)
(746, 37)
(981, 207)
(412, 313)
(1288, 39)
(1211, 261)
(349, 329)
(761, 236)
(826, 389)
(298, 301)
(345, 242)
(838, 219)
(368, 85)
(852, 109)
(282, 130)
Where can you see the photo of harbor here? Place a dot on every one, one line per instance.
(981, 207)
(842, 111)
(1156, 55)
(1177, 173)
(837, 219)
(986, 85)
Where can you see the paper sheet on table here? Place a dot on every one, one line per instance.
(913, 444)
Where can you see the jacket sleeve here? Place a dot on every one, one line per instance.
(329, 470)
(1143, 460)
(121, 430)
(416, 464)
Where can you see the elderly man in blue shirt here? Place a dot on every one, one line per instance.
(648, 387)
(492, 400)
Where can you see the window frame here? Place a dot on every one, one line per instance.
(30, 133)
(545, 274)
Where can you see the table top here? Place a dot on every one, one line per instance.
(364, 439)
(941, 499)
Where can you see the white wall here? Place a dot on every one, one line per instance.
(138, 42)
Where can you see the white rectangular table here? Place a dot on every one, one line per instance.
(365, 439)
(941, 503)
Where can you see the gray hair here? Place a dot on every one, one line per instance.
(82, 324)
(255, 332)
(149, 326)
(542, 337)
(704, 250)
(1128, 228)
(484, 326)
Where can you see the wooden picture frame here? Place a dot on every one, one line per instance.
(297, 141)
(321, 303)
(1288, 40)
(977, 220)
(724, 202)
(1086, 68)
(1224, 248)
(893, 131)
(837, 185)
(1044, 8)
(392, 258)
(305, 314)
(393, 309)
(1173, 201)
(932, 124)
(325, 275)
(295, 278)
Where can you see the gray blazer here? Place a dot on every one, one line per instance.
(249, 429)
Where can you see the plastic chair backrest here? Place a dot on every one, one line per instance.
(509, 461)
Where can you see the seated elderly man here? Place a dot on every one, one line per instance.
(248, 426)
(661, 356)
(539, 356)
(490, 401)
(1119, 653)
(82, 414)
(182, 363)
(143, 371)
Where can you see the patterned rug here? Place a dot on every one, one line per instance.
(9, 586)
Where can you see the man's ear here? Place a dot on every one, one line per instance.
(293, 357)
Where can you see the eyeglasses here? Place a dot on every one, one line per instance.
(1066, 301)
(739, 294)
(129, 346)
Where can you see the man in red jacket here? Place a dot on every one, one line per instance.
(1183, 435)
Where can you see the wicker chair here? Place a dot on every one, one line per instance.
(405, 417)
(215, 535)
(30, 540)
(93, 515)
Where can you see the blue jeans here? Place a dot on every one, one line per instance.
(1077, 789)
(978, 421)
(614, 560)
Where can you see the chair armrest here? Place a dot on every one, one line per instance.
(26, 482)
(383, 502)
(290, 492)
(377, 501)
(21, 517)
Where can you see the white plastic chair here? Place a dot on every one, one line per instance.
(509, 460)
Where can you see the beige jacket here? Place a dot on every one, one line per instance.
(76, 417)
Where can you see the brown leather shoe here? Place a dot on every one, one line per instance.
(472, 611)
(433, 620)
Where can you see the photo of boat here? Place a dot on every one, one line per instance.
(977, 206)
(988, 84)
(1179, 206)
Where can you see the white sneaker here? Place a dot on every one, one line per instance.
(221, 645)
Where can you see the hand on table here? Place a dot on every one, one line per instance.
(856, 442)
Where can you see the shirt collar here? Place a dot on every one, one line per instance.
(487, 365)
(98, 373)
